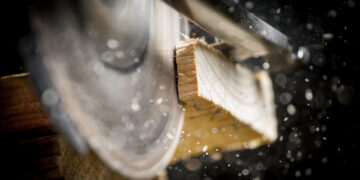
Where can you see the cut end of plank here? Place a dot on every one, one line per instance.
(228, 106)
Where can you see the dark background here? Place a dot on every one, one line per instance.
(320, 141)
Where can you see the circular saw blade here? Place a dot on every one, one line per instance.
(109, 66)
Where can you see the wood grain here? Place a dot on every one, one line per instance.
(30, 144)
(228, 107)
(19, 106)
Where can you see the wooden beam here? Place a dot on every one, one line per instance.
(228, 106)
(20, 108)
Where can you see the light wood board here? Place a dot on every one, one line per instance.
(228, 106)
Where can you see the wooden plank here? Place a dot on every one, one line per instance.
(37, 147)
(15, 81)
(30, 133)
(19, 106)
(227, 106)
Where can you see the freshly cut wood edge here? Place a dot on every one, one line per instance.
(228, 106)
(12, 76)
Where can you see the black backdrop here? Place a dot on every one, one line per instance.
(320, 140)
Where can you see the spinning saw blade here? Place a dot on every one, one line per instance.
(105, 72)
